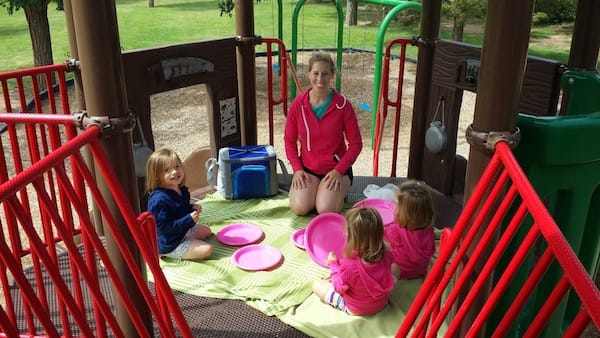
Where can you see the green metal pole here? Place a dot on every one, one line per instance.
(340, 44)
(280, 20)
(295, 42)
(340, 41)
(379, 55)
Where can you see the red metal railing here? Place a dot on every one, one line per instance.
(470, 254)
(46, 193)
(286, 62)
(385, 102)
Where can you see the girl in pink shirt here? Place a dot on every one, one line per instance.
(361, 280)
(410, 238)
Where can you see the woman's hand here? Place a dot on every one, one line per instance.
(333, 179)
(300, 180)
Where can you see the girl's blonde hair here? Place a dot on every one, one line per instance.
(364, 231)
(157, 163)
(321, 57)
(414, 209)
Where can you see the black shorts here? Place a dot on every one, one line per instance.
(320, 177)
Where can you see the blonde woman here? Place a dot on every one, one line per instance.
(322, 142)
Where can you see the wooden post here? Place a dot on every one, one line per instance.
(503, 60)
(586, 36)
(246, 65)
(430, 28)
(97, 40)
(584, 43)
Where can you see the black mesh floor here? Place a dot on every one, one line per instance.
(207, 317)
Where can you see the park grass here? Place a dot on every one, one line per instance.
(180, 21)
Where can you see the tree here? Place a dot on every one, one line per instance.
(36, 14)
(555, 11)
(460, 11)
(226, 6)
(352, 12)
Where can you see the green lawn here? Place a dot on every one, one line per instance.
(177, 21)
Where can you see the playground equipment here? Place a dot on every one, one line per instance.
(582, 89)
(101, 57)
(397, 7)
(472, 244)
(386, 102)
(53, 184)
(47, 191)
(562, 165)
(455, 70)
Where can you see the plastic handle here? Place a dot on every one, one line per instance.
(210, 166)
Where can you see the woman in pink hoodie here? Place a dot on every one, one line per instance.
(322, 141)
(361, 280)
(411, 237)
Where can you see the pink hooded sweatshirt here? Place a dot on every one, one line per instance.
(412, 249)
(321, 141)
(365, 287)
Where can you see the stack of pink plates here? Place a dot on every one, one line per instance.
(298, 238)
(386, 208)
(325, 233)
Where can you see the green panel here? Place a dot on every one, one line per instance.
(561, 158)
(559, 140)
(584, 91)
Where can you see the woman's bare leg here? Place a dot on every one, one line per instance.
(330, 200)
(302, 201)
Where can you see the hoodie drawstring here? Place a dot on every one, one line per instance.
(307, 129)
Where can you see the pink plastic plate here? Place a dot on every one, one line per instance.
(298, 238)
(257, 257)
(325, 233)
(385, 207)
(239, 234)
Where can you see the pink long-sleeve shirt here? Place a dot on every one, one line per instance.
(322, 140)
(365, 287)
(412, 249)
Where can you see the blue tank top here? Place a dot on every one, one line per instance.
(320, 110)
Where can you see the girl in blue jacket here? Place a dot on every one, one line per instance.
(169, 201)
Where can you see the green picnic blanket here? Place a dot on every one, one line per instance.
(285, 291)
(271, 292)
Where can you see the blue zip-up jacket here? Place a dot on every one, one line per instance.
(172, 213)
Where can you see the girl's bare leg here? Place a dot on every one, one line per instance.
(320, 288)
(198, 250)
(202, 231)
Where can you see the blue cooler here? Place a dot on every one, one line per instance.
(247, 171)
